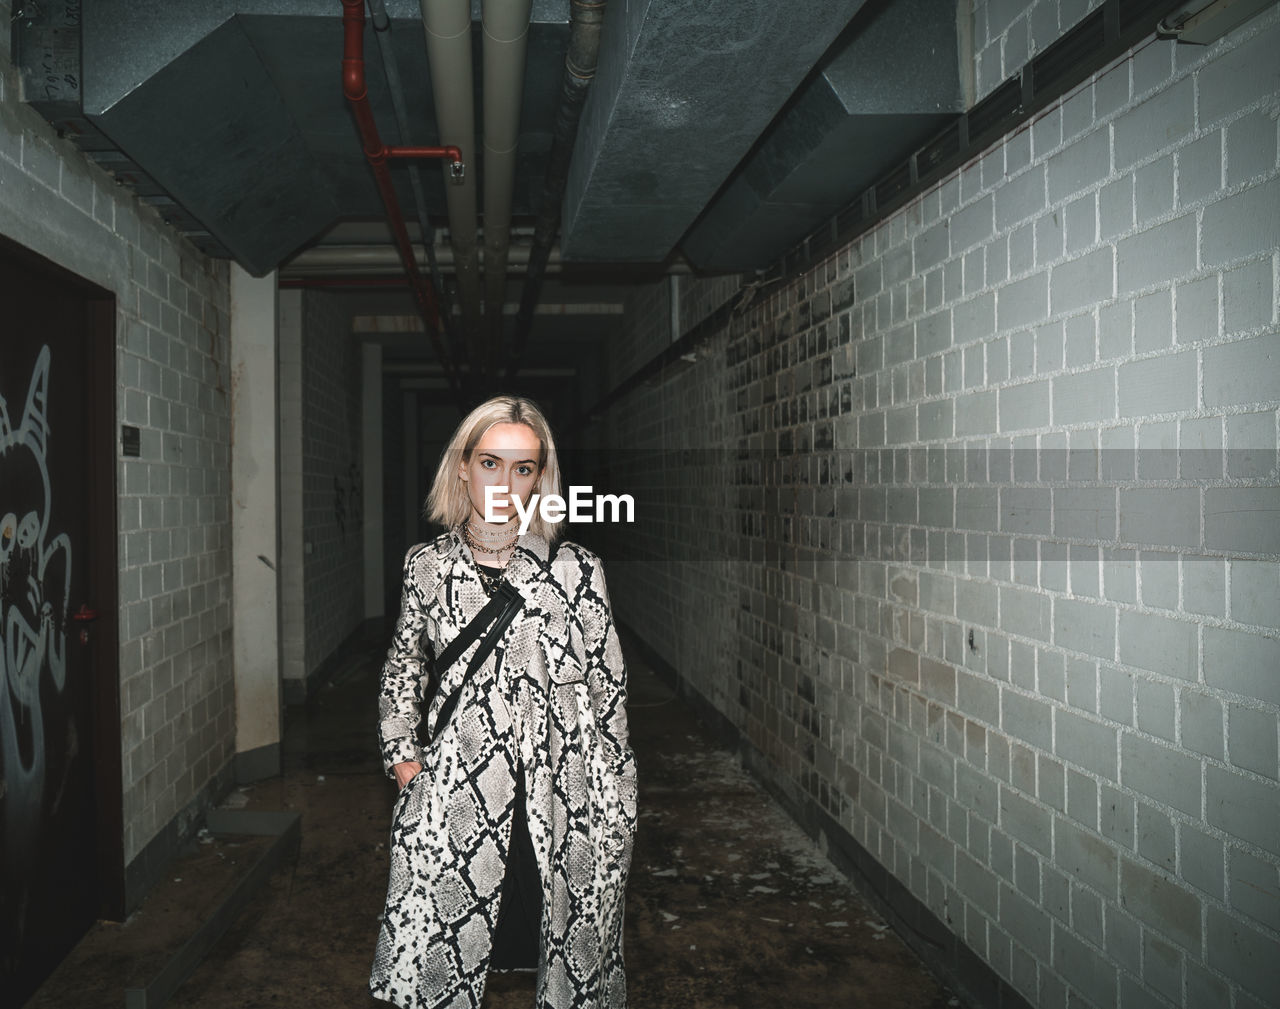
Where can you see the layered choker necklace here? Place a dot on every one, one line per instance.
(496, 542)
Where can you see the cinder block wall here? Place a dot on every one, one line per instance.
(971, 531)
(172, 330)
(1007, 33)
(332, 478)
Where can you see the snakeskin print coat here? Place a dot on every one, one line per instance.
(551, 695)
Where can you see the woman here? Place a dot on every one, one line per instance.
(536, 747)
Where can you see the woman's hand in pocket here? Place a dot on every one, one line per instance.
(405, 771)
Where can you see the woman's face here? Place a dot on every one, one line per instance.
(506, 456)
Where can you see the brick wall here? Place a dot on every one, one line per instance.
(332, 478)
(1007, 33)
(648, 313)
(646, 333)
(176, 690)
(971, 531)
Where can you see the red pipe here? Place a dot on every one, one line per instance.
(454, 154)
(377, 153)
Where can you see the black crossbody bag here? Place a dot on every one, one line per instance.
(499, 611)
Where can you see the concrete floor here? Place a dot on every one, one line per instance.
(729, 905)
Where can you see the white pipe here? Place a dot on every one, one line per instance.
(368, 259)
(448, 28)
(506, 36)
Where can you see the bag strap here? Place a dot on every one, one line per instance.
(506, 602)
(514, 601)
(500, 599)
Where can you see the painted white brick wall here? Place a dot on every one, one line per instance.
(172, 325)
(1007, 33)
(639, 340)
(332, 478)
(1039, 405)
(648, 312)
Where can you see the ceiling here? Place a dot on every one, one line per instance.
(716, 133)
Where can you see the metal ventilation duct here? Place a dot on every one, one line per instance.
(252, 180)
(228, 115)
(682, 92)
(232, 112)
(894, 83)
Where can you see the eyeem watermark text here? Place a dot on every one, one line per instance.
(552, 506)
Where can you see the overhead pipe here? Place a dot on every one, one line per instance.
(505, 27)
(329, 281)
(377, 153)
(448, 27)
(426, 233)
(382, 258)
(585, 19)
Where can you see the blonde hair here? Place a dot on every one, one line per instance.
(448, 502)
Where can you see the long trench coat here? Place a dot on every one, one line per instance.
(552, 695)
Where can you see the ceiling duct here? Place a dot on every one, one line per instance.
(170, 85)
(892, 84)
(227, 115)
(682, 92)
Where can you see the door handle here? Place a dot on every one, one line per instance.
(84, 616)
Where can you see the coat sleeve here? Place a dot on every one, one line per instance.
(400, 686)
(607, 680)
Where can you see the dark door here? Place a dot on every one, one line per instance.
(56, 711)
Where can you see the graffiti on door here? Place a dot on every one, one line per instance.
(35, 581)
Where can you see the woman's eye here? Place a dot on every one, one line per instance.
(526, 470)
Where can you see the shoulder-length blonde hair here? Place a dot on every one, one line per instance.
(448, 503)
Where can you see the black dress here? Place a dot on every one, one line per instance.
(516, 936)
